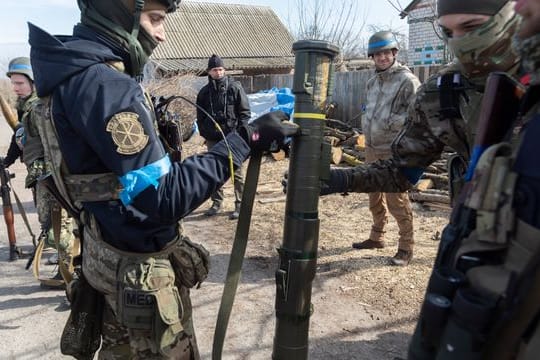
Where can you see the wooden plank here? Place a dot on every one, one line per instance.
(424, 184)
(337, 155)
(422, 197)
(272, 199)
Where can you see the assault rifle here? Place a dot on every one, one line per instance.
(498, 117)
(169, 126)
(7, 208)
(47, 182)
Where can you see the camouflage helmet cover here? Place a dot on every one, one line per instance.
(382, 40)
(20, 65)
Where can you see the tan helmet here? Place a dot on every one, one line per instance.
(20, 65)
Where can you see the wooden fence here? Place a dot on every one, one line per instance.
(349, 91)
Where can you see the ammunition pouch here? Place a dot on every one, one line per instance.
(140, 288)
(476, 291)
(190, 262)
(148, 300)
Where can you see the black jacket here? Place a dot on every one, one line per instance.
(87, 95)
(230, 111)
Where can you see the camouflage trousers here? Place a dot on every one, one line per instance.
(398, 204)
(45, 202)
(218, 196)
(120, 342)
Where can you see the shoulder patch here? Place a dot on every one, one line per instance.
(127, 133)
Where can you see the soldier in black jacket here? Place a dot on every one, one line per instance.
(226, 101)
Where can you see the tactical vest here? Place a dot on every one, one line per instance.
(483, 297)
(33, 149)
(139, 288)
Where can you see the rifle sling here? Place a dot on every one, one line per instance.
(23, 215)
(237, 255)
(65, 270)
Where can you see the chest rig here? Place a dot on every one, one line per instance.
(139, 288)
(482, 300)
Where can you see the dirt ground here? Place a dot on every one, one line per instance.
(363, 307)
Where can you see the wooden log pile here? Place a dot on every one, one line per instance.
(348, 148)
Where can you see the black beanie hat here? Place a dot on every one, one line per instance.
(482, 7)
(215, 61)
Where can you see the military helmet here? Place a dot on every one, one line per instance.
(20, 65)
(171, 5)
(382, 40)
(119, 20)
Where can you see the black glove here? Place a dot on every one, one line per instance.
(340, 182)
(268, 132)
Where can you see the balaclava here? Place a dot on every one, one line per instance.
(115, 20)
(487, 48)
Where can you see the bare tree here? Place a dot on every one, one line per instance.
(340, 22)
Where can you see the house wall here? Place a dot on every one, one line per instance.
(426, 48)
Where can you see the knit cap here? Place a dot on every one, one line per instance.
(482, 7)
(215, 61)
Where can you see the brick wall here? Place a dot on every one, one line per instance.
(426, 49)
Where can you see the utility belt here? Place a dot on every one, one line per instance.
(472, 295)
(142, 289)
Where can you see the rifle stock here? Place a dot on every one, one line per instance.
(8, 113)
(7, 208)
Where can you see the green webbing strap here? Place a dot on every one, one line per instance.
(237, 254)
(23, 215)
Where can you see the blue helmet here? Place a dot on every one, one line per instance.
(382, 40)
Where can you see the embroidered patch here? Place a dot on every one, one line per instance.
(127, 133)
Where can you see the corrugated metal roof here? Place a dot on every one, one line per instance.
(244, 36)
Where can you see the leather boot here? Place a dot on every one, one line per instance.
(13, 253)
(402, 258)
(236, 213)
(368, 244)
(214, 209)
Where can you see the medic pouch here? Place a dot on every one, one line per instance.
(190, 262)
(149, 301)
(81, 337)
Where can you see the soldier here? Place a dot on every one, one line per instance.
(445, 112)
(389, 93)
(226, 101)
(112, 171)
(482, 301)
(27, 145)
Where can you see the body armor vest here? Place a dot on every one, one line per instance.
(482, 300)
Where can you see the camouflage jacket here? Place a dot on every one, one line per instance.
(389, 94)
(436, 119)
(32, 149)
